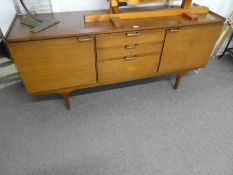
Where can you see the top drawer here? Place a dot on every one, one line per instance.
(133, 37)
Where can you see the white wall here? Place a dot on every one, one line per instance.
(78, 5)
(7, 13)
(223, 7)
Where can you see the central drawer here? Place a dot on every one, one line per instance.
(128, 55)
(104, 54)
(126, 38)
(128, 68)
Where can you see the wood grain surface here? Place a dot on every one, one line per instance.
(125, 70)
(72, 24)
(55, 64)
(188, 47)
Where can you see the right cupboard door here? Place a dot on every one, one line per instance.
(188, 47)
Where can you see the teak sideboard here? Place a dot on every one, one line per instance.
(74, 55)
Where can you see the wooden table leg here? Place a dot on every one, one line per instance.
(22, 84)
(66, 100)
(178, 78)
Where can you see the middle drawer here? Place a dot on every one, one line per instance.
(105, 54)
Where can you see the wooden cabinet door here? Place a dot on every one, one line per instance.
(53, 64)
(188, 47)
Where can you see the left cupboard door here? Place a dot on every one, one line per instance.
(53, 64)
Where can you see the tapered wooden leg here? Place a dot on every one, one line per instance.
(22, 84)
(66, 100)
(178, 78)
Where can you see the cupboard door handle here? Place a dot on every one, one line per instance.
(132, 34)
(131, 46)
(129, 58)
(84, 39)
(174, 30)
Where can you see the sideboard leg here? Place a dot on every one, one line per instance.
(22, 84)
(178, 78)
(66, 100)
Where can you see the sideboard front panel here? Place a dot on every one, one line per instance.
(190, 47)
(53, 64)
(128, 68)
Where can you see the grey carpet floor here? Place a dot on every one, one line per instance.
(138, 128)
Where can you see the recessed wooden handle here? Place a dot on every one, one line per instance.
(129, 58)
(174, 30)
(133, 34)
(84, 38)
(131, 46)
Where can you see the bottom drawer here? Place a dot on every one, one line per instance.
(129, 68)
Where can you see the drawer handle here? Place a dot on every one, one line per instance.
(129, 58)
(84, 39)
(131, 46)
(174, 30)
(132, 34)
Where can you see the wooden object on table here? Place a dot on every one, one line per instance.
(114, 11)
(116, 22)
(115, 4)
(77, 55)
(191, 16)
(186, 4)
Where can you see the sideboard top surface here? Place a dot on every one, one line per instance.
(72, 24)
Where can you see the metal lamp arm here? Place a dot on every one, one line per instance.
(28, 11)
